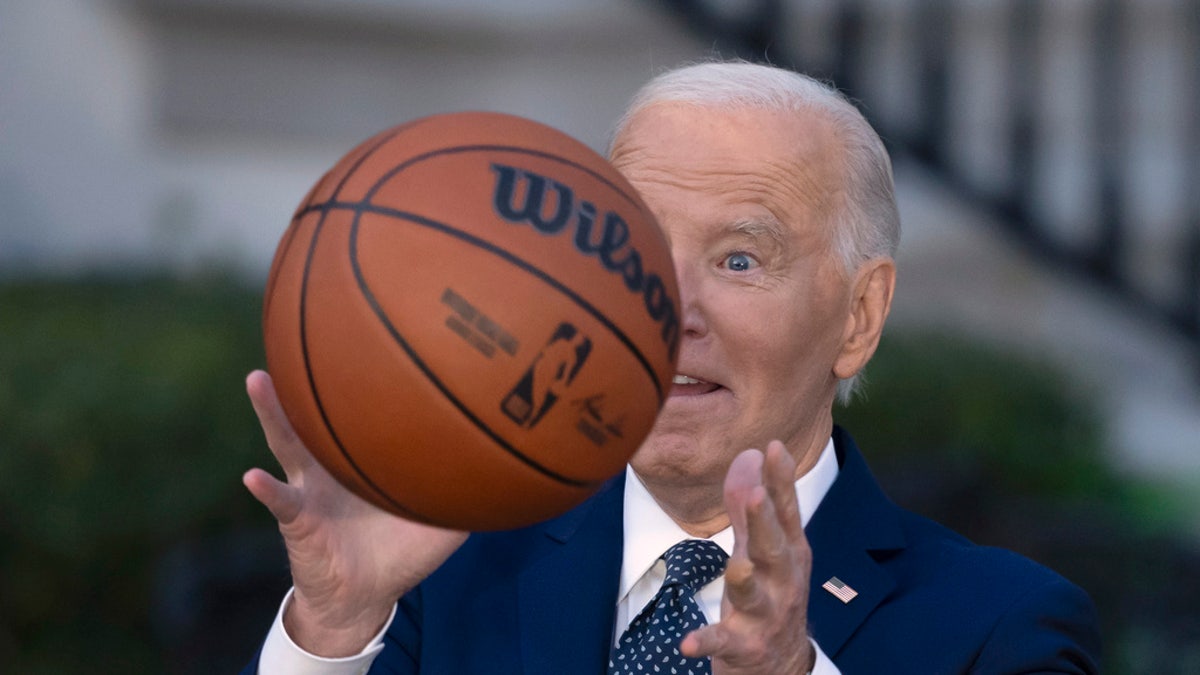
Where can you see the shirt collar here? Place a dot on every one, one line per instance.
(649, 530)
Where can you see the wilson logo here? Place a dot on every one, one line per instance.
(526, 198)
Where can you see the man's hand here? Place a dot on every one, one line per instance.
(350, 561)
(764, 614)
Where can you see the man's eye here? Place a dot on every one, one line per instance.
(739, 262)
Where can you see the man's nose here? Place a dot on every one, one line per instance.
(692, 321)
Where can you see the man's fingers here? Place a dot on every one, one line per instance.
(744, 475)
(779, 476)
(704, 641)
(281, 438)
(767, 545)
(760, 540)
(766, 578)
(745, 472)
(743, 589)
(281, 499)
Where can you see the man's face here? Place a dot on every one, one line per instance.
(745, 199)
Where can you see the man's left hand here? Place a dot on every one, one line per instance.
(764, 614)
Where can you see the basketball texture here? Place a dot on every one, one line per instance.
(472, 321)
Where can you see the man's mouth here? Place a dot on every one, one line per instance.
(686, 385)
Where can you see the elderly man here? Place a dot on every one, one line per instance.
(776, 197)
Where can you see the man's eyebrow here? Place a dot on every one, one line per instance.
(761, 229)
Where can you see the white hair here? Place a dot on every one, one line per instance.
(867, 223)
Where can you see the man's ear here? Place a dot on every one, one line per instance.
(870, 302)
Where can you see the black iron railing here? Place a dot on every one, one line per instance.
(1103, 251)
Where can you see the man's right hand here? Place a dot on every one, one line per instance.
(350, 560)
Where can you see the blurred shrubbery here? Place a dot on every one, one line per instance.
(1006, 449)
(124, 429)
(127, 543)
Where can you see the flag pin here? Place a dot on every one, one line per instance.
(839, 589)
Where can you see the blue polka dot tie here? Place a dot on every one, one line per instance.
(651, 643)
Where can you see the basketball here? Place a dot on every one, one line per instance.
(472, 321)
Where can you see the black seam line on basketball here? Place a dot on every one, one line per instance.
(529, 267)
(366, 204)
(312, 385)
(359, 162)
(308, 371)
(441, 386)
(284, 246)
(294, 225)
(484, 148)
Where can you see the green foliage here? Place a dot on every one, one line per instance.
(958, 405)
(1006, 449)
(122, 432)
(124, 429)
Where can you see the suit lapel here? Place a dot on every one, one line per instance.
(854, 519)
(567, 596)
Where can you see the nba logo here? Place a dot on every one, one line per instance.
(548, 376)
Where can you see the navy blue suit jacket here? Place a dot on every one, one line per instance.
(542, 599)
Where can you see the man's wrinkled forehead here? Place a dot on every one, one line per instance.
(806, 133)
(794, 155)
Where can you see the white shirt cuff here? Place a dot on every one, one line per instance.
(281, 656)
(823, 665)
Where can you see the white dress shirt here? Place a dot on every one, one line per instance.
(649, 531)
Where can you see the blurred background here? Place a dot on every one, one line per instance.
(1038, 389)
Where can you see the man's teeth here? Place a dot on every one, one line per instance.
(684, 379)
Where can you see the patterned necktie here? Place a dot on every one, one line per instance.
(651, 643)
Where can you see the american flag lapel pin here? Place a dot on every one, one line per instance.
(839, 589)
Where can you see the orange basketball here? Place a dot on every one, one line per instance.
(472, 321)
